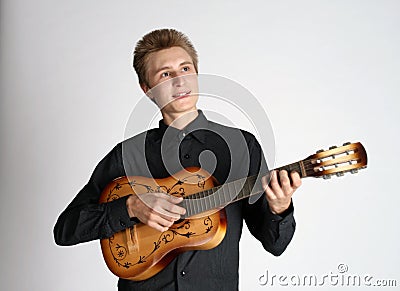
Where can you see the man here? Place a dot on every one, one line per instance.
(166, 64)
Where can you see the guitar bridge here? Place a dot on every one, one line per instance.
(132, 240)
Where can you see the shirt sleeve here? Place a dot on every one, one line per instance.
(274, 231)
(85, 219)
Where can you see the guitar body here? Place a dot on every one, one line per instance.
(140, 252)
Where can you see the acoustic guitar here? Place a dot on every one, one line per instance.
(140, 252)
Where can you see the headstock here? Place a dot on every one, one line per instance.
(337, 160)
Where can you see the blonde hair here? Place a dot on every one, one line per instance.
(157, 40)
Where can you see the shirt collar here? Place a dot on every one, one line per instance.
(196, 128)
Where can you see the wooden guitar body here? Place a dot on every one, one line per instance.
(140, 252)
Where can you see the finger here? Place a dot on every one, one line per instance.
(168, 203)
(157, 226)
(296, 180)
(270, 194)
(173, 199)
(158, 222)
(172, 208)
(165, 214)
(273, 178)
(274, 184)
(285, 183)
(265, 181)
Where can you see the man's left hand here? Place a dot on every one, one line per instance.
(279, 192)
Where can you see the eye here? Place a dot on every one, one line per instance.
(185, 69)
(165, 74)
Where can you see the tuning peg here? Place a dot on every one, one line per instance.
(328, 176)
(319, 151)
(347, 143)
(339, 174)
(332, 147)
(353, 171)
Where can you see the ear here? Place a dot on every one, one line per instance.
(144, 87)
(146, 90)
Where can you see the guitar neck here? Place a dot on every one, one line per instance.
(230, 192)
(337, 160)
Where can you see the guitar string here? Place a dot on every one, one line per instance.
(307, 165)
(205, 198)
(294, 167)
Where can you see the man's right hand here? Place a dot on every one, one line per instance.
(157, 210)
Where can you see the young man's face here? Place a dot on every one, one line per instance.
(173, 81)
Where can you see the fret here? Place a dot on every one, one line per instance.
(302, 170)
(222, 195)
(296, 167)
(225, 201)
(218, 197)
(235, 188)
(207, 200)
(248, 187)
(231, 193)
(204, 200)
(191, 207)
(216, 200)
(186, 205)
(292, 167)
(250, 181)
(196, 204)
(201, 200)
(257, 186)
(212, 200)
(242, 191)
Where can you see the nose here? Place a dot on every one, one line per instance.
(178, 81)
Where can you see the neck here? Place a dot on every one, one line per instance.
(230, 192)
(180, 120)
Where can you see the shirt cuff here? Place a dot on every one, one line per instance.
(118, 215)
(281, 218)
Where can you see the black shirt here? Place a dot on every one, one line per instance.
(228, 154)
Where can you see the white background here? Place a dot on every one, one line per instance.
(326, 72)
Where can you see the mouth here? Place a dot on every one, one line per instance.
(181, 95)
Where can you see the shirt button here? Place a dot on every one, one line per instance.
(183, 273)
(183, 134)
(123, 224)
(187, 156)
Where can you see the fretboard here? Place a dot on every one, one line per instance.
(230, 192)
